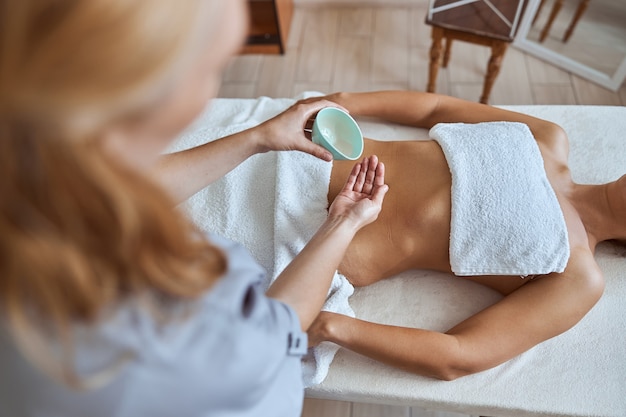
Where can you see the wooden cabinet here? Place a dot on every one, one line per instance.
(269, 26)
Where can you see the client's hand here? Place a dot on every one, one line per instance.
(362, 196)
(285, 132)
(321, 329)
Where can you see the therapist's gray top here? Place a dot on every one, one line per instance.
(238, 355)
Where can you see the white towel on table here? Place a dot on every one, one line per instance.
(505, 218)
(300, 208)
(273, 204)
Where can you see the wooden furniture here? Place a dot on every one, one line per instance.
(269, 26)
(556, 8)
(476, 22)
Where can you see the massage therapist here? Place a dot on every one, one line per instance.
(112, 303)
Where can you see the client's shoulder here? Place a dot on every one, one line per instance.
(553, 142)
(583, 270)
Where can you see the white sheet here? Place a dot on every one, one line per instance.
(579, 373)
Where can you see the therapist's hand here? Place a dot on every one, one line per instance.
(285, 132)
(362, 196)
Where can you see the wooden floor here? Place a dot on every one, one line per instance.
(323, 408)
(374, 48)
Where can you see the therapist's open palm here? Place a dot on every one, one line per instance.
(362, 196)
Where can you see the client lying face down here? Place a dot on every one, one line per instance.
(416, 224)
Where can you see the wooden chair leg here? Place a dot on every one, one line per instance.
(582, 6)
(446, 53)
(556, 7)
(498, 49)
(435, 58)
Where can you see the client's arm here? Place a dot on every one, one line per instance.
(425, 110)
(535, 312)
(305, 282)
(187, 172)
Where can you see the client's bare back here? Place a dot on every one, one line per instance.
(413, 229)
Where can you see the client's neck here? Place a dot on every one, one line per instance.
(595, 208)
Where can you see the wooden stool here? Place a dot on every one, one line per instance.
(476, 23)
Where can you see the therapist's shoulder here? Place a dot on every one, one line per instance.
(240, 295)
(240, 260)
(242, 271)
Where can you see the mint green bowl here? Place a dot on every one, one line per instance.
(337, 131)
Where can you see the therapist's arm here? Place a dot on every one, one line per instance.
(305, 282)
(184, 173)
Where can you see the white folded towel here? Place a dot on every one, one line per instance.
(273, 204)
(301, 200)
(506, 219)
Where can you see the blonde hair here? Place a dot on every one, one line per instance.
(80, 233)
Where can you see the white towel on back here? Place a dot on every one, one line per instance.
(505, 218)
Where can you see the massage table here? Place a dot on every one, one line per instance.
(581, 372)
